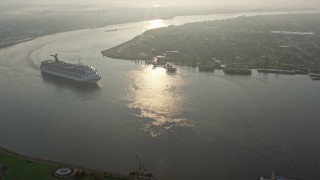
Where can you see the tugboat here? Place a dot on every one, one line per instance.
(170, 68)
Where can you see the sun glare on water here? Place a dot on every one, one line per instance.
(159, 98)
(157, 23)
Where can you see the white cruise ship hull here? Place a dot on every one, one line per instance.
(69, 77)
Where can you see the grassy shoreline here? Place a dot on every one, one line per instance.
(26, 167)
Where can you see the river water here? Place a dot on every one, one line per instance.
(187, 125)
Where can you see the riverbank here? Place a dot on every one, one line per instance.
(241, 41)
(220, 123)
(7, 44)
(18, 166)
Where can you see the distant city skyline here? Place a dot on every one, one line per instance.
(160, 3)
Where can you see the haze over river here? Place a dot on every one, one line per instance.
(187, 125)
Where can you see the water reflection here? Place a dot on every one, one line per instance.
(157, 23)
(159, 98)
(61, 83)
(171, 73)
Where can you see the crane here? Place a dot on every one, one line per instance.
(139, 173)
(140, 163)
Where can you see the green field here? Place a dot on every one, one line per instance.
(25, 169)
(22, 169)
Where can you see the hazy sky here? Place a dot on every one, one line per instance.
(255, 3)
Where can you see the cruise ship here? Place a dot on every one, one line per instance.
(76, 72)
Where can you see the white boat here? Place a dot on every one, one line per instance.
(159, 60)
(76, 72)
(314, 76)
(276, 176)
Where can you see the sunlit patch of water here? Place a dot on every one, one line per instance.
(156, 23)
(160, 99)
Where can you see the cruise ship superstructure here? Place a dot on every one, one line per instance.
(76, 72)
